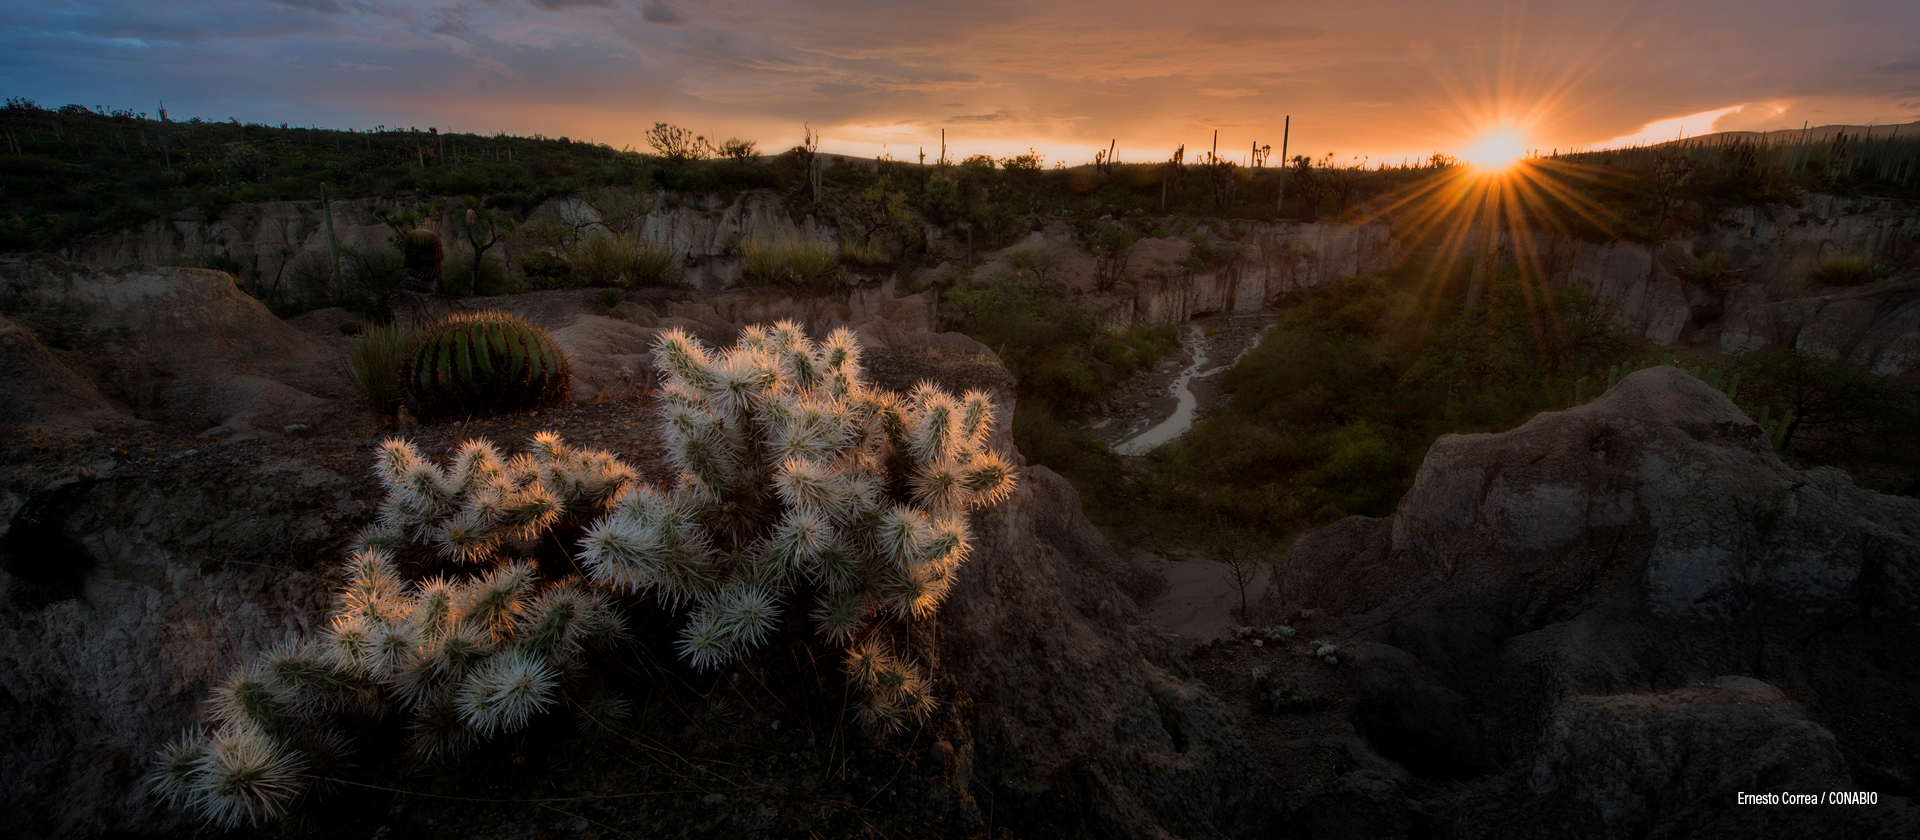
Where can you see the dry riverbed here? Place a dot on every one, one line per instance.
(1153, 397)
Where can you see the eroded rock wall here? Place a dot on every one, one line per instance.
(1767, 299)
(270, 237)
(1276, 259)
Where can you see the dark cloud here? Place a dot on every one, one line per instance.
(451, 22)
(1002, 115)
(1910, 66)
(659, 12)
(563, 5)
(328, 7)
(1243, 34)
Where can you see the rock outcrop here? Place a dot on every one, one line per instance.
(1076, 729)
(1623, 760)
(1764, 299)
(1276, 259)
(269, 238)
(1628, 607)
(176, 345)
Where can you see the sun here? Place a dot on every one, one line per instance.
(1498, 149)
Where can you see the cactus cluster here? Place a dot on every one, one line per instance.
(800, 491)
(795, 473)
(467, 656)
(478, 363)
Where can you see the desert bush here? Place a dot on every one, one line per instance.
(478, 363)
(1110, 248)
(610, 261)
(864, 254)
(1713, 271)
(800, 487)
(1844, 270)
(786, 262)
(545, 269)
(375, 360)
(366, 276)
(457, 276)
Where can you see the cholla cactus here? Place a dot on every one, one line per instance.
(800, 489)
(798, 479)
(467, 657)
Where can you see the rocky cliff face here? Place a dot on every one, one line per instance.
(1766, 300)
(269, 237)
(1628, 612)
(1277, 259)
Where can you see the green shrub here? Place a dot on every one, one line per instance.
(1714, 271)
(1844, 270)
(457, 276)
(803, 491)
(375, 360)
(480, 363)
(864, 255)
(611, 297)
(365, 278)
(771, 262)
(609, 261)
(546, 270)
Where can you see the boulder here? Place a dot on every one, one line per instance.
(1604, 612)
(1660, 493)
(1624, 760)
(1075, 730)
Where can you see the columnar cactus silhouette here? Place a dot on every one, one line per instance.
(799, 485)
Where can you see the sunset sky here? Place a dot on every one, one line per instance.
(1380, 78)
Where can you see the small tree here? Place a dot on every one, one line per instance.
(1029, 163)
(738, 149)
(879, 208)
(482, 228)
(1110, 255)
(619, 210)
(1231, 546)
(1838, 402)
(1307, 180)
(677, 144)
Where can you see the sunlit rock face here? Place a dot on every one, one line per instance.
(1630, 604)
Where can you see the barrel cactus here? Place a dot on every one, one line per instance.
(423, 255)
(476, 363)
(801, 492)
